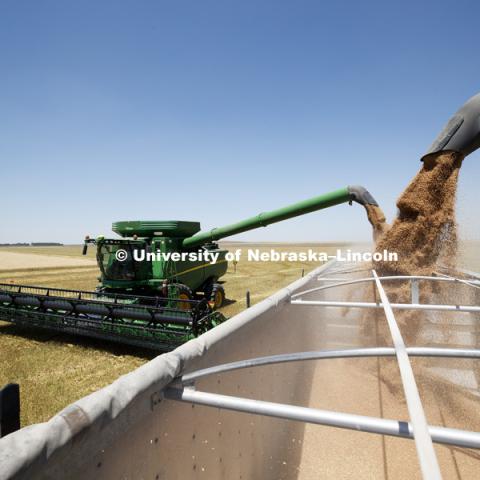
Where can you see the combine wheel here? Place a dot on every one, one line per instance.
(218, 296)
(182, 292)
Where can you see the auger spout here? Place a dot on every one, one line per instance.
(348, 194)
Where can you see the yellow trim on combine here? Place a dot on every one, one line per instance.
(200, 266)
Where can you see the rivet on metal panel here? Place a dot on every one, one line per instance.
(155, 399)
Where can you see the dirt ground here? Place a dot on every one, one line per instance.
(13, 261)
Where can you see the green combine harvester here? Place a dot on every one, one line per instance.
(159, 284)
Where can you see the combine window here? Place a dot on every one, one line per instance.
(122, 266)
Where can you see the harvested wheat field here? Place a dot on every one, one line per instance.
(56, 369)
(13, 261)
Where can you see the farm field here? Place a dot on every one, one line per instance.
(54, 370)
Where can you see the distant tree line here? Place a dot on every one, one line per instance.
(33, 244)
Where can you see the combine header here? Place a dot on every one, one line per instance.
(155, 323)
(150, 300)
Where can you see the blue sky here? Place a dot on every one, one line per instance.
(218, 110)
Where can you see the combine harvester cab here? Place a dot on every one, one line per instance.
(320, 380)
